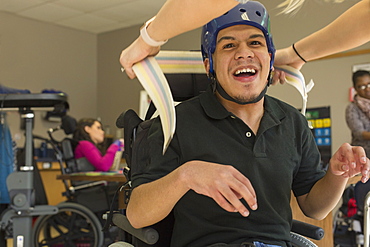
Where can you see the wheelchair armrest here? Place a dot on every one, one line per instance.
(147, 234)
(307, 230)
(88, 185)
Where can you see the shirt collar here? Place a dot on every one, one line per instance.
(214, 109)
(273, 114)
(273, 109)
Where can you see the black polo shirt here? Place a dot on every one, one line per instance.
(281, 157)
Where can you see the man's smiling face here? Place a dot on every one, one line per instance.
(241, 61)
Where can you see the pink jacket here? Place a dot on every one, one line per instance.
(94, 156)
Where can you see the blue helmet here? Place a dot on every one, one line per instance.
(250, 13)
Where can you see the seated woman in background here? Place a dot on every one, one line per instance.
(90, 137)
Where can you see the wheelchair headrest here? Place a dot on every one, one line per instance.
(68, 124)
(185, 86)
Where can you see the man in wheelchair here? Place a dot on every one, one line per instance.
(237, 153)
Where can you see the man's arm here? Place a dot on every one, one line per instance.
(347, 162)
(152, 202)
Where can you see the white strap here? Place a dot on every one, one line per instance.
(295, 78)
(145, 36)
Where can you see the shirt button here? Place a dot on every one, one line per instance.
(248, 134)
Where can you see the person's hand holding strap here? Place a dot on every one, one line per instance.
(141, 48)
(287, 56)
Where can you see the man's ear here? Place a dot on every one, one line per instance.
(206, 65)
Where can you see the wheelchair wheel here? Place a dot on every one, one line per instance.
(73, 225)
(300, 241)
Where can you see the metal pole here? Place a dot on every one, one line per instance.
(366, 220)
(28, 117)
(22, 184)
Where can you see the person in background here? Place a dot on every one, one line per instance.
(358, 111)
(237, 153)
(349, 30)
(89, 134)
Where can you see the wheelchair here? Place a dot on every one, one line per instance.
(135, 129)
(349, 223)
(78, 220)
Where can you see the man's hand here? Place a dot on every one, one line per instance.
(225, 184)
(349, 161)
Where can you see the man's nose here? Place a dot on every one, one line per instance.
(244, 52)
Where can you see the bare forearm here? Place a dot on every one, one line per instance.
(170, 21)
(348, 31)
(323, 197)
(152, 202)
(347, 161)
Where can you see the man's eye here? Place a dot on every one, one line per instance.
(228, 46)
(255, 42)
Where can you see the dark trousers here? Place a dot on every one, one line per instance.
(245, 244)
(233, 245)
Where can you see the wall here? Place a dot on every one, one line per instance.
(332, 76)
(116, 93)
(36, 56)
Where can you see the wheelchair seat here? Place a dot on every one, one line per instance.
(84, 192)
(74, 165)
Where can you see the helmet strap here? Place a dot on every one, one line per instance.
(216, 86)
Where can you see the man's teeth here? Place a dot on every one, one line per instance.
(245, 71)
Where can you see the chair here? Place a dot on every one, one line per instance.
(360, 192)
(351, 229)
(362, 201)
(83, 192)
(78, 221)
(135, 130)
(344, 218)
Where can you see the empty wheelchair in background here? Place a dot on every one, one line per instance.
(78, 221)
(135, 134)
